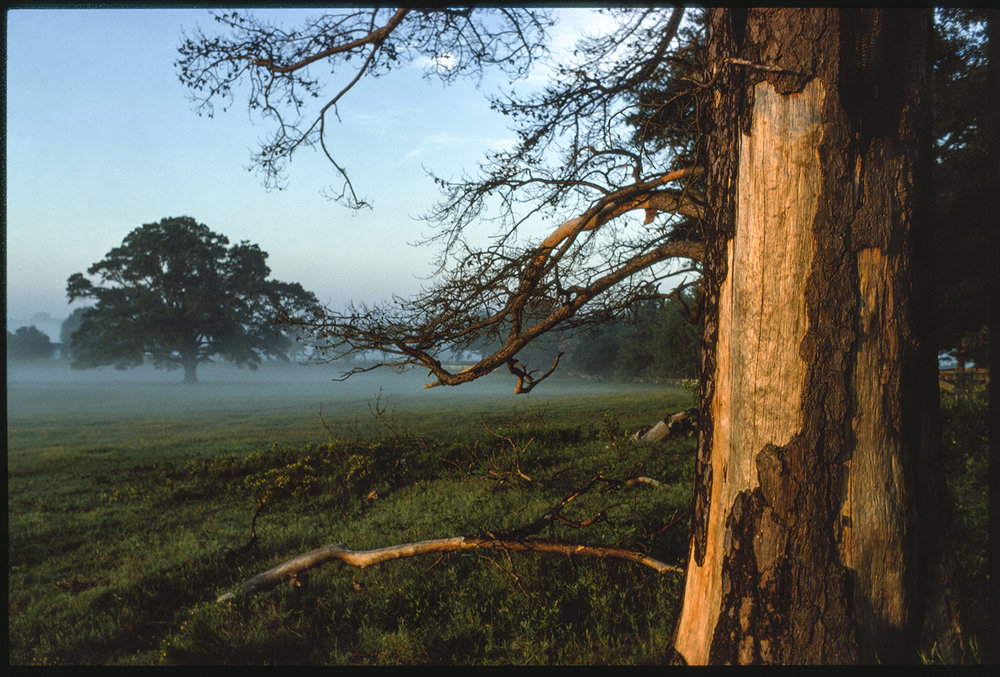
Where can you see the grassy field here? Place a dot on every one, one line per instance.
(134, 501)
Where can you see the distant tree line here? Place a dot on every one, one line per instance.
(654, 340)
(29, 343)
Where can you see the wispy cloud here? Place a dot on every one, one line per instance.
(440, 62)
(440, 141)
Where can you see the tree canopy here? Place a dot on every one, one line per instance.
(70, 325)
(962, 218)
(28, 343)
(177, 294)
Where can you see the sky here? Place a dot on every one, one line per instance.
(102, 138)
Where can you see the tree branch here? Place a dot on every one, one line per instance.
(525, 379)
(640, 196)
(375, 37)
(364, 558)
(276, 64)
(564, 311)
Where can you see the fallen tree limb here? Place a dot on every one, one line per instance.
(683, 422)
(644, 480)
(364, 558)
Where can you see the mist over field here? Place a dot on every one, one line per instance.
(47, 389)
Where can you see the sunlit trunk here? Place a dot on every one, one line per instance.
(817, 535)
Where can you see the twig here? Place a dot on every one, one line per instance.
(674, 519)
(517, 452)
(323, 420)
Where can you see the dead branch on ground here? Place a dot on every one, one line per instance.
(516, 540)
(365, 558)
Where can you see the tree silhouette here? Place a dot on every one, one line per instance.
(176, 294)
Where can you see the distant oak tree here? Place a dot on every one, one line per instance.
(777, 159)
(177, 294)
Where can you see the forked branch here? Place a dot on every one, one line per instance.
(364, 558)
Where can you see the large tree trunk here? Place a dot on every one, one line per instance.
(818, 534)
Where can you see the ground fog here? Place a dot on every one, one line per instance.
(55, 390)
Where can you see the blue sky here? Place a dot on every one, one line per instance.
(101, 138)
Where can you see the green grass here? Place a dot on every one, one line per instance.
(124, 525)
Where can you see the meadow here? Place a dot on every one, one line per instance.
(134, 501)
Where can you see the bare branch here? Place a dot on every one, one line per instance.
(414, 342)
(275, 63)
(514, 447)
(373, 37)
(365, 558)
(525, 379)
(677, 296)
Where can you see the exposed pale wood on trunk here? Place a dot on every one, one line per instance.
(762, 320)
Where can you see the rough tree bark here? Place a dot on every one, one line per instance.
(818, 534)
